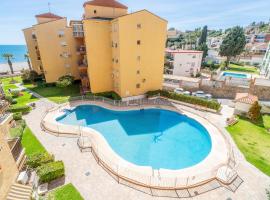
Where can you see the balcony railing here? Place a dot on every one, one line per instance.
(15, 147)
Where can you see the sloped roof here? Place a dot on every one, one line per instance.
(246, 98)
(49, 15)
(106, 3)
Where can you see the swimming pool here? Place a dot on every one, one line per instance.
(149, 137)
(234, 75)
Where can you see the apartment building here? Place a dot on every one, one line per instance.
(265, 67)
(109, 49)
(185, 62)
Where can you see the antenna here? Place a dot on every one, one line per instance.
(49, 7)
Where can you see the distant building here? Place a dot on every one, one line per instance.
(185, 62)
(265, 67)
(214, 42)
(173, 33)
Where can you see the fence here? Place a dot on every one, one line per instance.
(151, 181)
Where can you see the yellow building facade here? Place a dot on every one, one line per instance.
(118, 51)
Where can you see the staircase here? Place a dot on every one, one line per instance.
(19, 192)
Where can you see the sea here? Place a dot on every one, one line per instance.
(18, 61)
(17, 51)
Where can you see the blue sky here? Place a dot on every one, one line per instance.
(182, 14)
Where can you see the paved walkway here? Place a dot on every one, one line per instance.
(95, 184)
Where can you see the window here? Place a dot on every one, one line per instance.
(194, 56)
(116, 60)
(138, 58)
(115, 45)
(95, 11)
(138, 71)
(144, 80)
(138, 85)
(38, 58)
(139, 26)
(113, 60)
(138, 42)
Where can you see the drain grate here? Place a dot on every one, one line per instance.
(87, 174)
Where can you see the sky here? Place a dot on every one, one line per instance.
(181, 14)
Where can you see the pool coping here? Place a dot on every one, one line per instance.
(206, 169)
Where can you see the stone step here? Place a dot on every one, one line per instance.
(18, 197)
(20, 192)
(16, 185)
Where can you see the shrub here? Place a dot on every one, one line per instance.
(17, 116)
(15, 93)
(254, 112)
(23, 109)
(29, 76)
(14, 101)
(50, 171)
(37, 159)
(268, 194)
(110, 95)
(65, 81)
(18, 130)
(185, 98)
(9, 98)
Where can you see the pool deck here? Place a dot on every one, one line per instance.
(99, 185)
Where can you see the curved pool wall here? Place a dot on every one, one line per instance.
(148, 137)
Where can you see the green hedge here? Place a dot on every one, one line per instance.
(50, 171)
(185, 98)
(17, 116)
(23, 109)
(37, 159)
(110, 95)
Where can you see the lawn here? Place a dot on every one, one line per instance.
(246, 69)
(56, 94)
(25, 97)
(254, 142)
(65, 192)
(31, 143)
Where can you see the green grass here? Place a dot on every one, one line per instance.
(246, 69)
(65, 192)
(56, 94)
(253, 140)
(25, 97)
(31, 143)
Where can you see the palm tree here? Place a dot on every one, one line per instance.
(26, 56)
(8, 57)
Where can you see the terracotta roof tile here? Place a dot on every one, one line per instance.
(49, 15)
(106, 3)
(246, 98)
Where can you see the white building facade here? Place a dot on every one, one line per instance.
(265, 67)
(185, 62)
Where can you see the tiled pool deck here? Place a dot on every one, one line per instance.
(94, 183)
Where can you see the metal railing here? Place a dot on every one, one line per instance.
(157, 183)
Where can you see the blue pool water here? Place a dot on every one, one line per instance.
(234, 75)
(150, 137)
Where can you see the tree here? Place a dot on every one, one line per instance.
(233, 43)
(254, 112)
(8, 57)
(203, 47)
(26, 56)
(203, 36)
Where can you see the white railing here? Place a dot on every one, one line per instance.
(151, 181)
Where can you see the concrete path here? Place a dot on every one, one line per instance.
(95, 184)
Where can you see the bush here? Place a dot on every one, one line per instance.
(29, 76)
(9, 98)
(14, 101)
(254, 112)
(23, 109)
(18, 130)
(185, 98)
(15, 93)
(50, 171)
(65, 81)
(37, 159)
(17, 116)
(110, 95)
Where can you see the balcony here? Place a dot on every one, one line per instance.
(78, 29)
(81, 50)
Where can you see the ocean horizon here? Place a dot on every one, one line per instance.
(18, 52)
